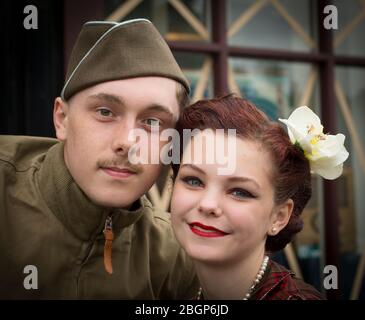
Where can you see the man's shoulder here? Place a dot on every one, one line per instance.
(157, 223)
(168, 254)
(18, 151)
(158, 215)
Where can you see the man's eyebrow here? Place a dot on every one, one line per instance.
(192, 166)
(119, 100)
(160, 108)
(108, 97)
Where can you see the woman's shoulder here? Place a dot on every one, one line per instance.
(280, 283)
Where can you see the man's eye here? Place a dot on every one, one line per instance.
(152, 122)
(241, 193)
(192, 181)
(105, 112)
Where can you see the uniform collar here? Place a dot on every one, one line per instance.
(72, 207)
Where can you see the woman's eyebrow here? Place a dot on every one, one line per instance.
(192, 166)
(243, 179)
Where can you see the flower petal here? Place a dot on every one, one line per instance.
(330, 146)
(294, 133)
(331, 161)
(329, 173)
(303, 117)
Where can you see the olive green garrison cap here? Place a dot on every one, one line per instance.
(107, 51)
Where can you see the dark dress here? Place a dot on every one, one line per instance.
(278, 283)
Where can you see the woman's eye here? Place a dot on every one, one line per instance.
(240, 193)
(193, 182)
(152, 122)
(105, 112)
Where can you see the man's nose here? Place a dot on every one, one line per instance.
(210, 203)
(123, 137)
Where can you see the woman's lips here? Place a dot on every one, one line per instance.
(118, 172)
(206, 231)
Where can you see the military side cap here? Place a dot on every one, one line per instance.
(107, 51)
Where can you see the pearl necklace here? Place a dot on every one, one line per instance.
(254, 283)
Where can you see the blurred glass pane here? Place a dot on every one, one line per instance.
(268, 28)
(192, 66)
(352, 183)
(145, 9)
(180, 29)
(276, 87)
(351, 14)
(171, 22)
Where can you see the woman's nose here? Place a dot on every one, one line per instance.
(209, 204)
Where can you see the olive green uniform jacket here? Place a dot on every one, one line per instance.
(52, 241)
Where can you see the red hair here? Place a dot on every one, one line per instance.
(290, 169)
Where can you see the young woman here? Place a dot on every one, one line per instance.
(229, 223)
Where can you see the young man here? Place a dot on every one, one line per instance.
(74, 221)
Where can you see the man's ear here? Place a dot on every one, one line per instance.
(60, 112)
(280, 217)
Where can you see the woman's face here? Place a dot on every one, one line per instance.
(224, 218)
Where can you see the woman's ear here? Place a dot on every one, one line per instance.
(280, 217)
(60, 111)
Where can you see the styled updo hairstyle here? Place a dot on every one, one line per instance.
(290, 169)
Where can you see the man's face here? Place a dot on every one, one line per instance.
(95, 125)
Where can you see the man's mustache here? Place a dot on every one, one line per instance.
(119, 163)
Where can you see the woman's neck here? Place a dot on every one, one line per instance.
(229, 281)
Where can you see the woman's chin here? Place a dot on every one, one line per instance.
(204, 255)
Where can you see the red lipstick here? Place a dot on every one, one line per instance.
(206, 231)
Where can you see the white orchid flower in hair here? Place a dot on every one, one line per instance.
(326, 153)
